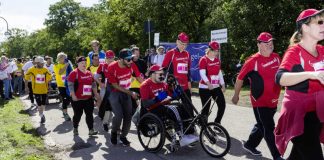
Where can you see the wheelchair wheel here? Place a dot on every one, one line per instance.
(151, 132)
(215, 140)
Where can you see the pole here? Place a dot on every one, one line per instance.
(149, 32)
(7, 32)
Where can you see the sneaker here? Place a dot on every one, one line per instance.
(124, 141)
(186, 140)
(251, 150)
(67, 117)
(43, 119)
(113, 138)
(75, 131)
(105, 127)
(92, 132)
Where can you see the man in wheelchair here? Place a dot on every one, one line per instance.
(156, 98)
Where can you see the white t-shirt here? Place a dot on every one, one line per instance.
(27, 65)
(158, 59)
(50, 68)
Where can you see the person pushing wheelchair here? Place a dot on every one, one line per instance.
(156, 97)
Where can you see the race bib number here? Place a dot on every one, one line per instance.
(40, 78)
(319, 66)
(63, 78)
(214, 79)
(182, 68)
(102, 60)
(125, 83)
(87, 90)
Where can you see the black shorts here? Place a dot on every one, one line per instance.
(40, 99)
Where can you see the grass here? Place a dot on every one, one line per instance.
(18, 138)
(244, 96)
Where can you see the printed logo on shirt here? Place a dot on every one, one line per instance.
(40, 78)
(124, 75)
(85, 77)
(213, 64)
(181, 59)
(155, 91)
(271, 62)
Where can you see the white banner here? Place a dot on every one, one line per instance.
(156, 39)
(219, 36)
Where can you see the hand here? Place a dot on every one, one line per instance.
(102, 85)
(235, 99)
(319, 75)
(210, 86)
(134, 95)
(74, 98)
(167, 99)
(223, 88)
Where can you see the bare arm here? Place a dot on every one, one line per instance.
(237, 89)
(289, 78)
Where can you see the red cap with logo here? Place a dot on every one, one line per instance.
(308, 13)
(155, 68)
(183, 37)
(265, 37)
(213, 45)
(110, 54)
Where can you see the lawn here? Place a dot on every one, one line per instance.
(18, 138)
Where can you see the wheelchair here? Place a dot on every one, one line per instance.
(153, 131)
(53, 92)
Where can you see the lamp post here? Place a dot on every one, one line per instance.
(7, 33)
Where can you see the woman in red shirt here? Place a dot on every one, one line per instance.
(212, 81)
(82, 87)
(301, 72)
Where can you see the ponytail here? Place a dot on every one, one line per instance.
(295, 38)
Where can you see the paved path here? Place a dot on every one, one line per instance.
(58, 136)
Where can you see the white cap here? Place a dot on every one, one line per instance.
(39, 59)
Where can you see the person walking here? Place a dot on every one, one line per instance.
(260, 69)
(301, 72)
(212, 81)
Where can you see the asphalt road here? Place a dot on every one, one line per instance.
(58, 136)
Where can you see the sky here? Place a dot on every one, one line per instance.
(28, 14)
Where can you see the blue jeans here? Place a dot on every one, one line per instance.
(18, 84)
(7, 86)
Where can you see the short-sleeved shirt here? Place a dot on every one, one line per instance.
(261, 71)
(102, 57)
(149, 89)
(103, 68)
(180, 67)
(212, 68)
(85, 80)
(297, 59)
(39, 79)
(93, 69)
(60, 78)
(122, 76)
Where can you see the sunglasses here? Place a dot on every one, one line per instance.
(159, 74)
(320, 22)
(128, 60)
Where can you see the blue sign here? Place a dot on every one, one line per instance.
(196, 50)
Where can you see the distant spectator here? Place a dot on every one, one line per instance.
(158, 59)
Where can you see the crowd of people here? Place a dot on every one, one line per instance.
(119, 84)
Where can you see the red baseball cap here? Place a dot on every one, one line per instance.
(265, 37)
(308, 13)
(213, 45)
(155, 68)
(183, 37)
(110, 54)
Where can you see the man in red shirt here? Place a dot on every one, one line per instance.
(177, 61)
(261, 69)
(154, 97)
(119, 76)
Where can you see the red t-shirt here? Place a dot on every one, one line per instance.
(261, 71)
(212, 69)
(297, 59)
(84, 90)
(180, 65)
(122, 76)
(149, 89)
